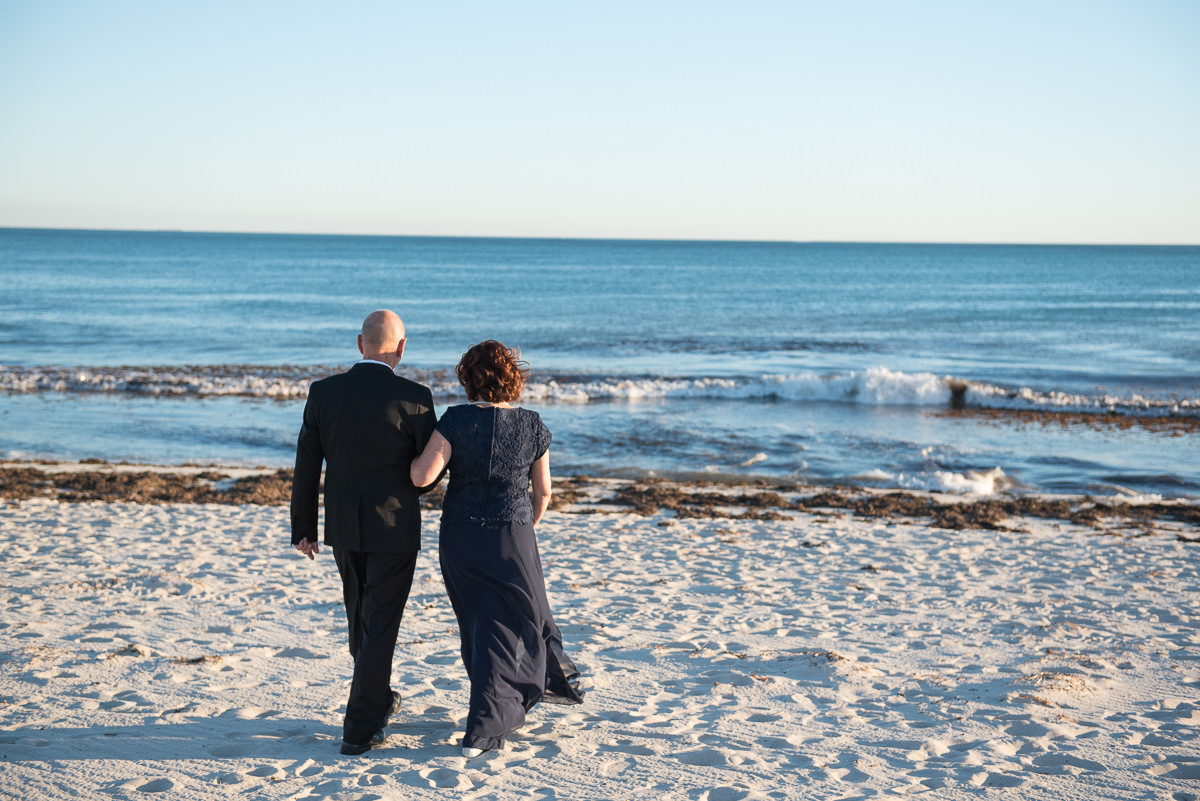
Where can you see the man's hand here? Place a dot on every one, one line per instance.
(307, 548)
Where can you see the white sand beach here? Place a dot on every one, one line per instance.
(185, 651)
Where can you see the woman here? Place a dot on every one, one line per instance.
(511, 647)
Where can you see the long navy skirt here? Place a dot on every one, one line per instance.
(511, 648)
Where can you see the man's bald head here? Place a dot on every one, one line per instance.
(382, 337)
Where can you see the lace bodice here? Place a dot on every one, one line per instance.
(492, 449)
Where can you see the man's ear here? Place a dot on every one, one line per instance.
(360, 350)
(400, 348)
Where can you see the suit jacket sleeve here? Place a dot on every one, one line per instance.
(306, 482)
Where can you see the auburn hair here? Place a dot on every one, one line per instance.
(492, 372)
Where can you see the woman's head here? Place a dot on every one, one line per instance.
(491, 372)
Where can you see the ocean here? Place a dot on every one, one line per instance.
(981, 368)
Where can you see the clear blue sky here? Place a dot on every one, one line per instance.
(854, 121)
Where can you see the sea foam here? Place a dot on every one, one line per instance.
(970, 482)
(876, 386)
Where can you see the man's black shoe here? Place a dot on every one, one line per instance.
(354, 749)
(395, 703)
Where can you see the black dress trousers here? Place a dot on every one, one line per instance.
(375, 587)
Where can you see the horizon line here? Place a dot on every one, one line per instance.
(201, 232)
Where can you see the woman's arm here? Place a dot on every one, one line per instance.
(428, 467)
(539, 474)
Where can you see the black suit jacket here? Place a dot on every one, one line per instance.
(367, 424)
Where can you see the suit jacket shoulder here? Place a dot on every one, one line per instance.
(366, 425)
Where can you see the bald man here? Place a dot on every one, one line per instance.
(366, 425)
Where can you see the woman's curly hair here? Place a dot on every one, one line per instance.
(492, 372)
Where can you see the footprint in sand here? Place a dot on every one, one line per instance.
(1005, 748)
(784, 752)
(445, 779)
(106, 626)
(532, 728)
(616, 716)
(756, 717)
(55, 673)
(724, 794)
(986, 779)
(133, 697)
(545, 751)
(118, 706)
(435, 659)
(1027, 730)
(326, 789)
(632, 748)
(156, 786)
(1184, 768)
(251, 713)
(612, 768)
(704, 757)
(1160, 740)
(299, 653)
(338, 791)
(848, 770)
(1058, 763)
(430, 711)
(802, 740)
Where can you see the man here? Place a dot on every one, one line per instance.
(367, 424)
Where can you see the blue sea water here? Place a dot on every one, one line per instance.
(1077, 368)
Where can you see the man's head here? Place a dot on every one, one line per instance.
(382, 337)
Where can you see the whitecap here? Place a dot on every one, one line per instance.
(974, 482)
(876, 475)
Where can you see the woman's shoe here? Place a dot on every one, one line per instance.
(471, 753)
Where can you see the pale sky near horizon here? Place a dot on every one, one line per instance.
(835, 121)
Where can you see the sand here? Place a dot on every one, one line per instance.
(185, 651)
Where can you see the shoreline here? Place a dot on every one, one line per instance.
(860, 432)
(94, 480)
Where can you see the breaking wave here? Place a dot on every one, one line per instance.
(877, 386)
(176, 381)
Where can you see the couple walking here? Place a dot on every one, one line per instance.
(377, 434)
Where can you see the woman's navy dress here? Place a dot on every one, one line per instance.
(511, 647)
